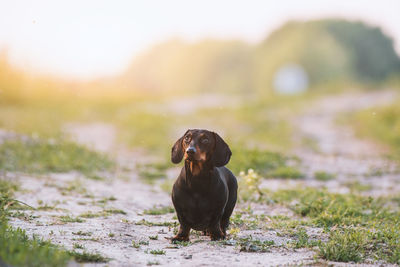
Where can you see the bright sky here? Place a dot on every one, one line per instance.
(89, 38)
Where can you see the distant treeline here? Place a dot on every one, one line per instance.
(329, 51)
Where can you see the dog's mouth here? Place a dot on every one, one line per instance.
(190, 157)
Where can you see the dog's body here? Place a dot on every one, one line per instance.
(205, 192)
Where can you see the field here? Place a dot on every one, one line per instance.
(90, 180)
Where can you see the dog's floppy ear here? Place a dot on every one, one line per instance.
(222, 153)
(177, 150)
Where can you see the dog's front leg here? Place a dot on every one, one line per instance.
(183, 233)
(215, 231)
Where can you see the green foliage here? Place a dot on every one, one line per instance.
(70, 219)
(249, 185)
(52, 155)
(148, 223)
(261, 161)
(17, 249)
(360, 227)
(248, 244)
(88, 257)
(323, 176)
(157, 252)
(329, 51)
(344, 246)
(286, 172)
(159, 210)
(381, 124)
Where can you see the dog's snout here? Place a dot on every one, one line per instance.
(191, 150)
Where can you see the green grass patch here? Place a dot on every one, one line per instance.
(16, 248)
(286, 172)
(82, 233)
(157, 252)
(248, 244)
(88, 257)
(381, 124)
(323, 176)
(344, 246)
(70, 219)
(103, 213)
(262, 161)
(159, 210)
(148, 223)
(360, 227)
(50, 155)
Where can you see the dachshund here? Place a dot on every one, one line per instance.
(205, 192)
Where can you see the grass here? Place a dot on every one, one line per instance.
(103, 213)
(286, 172)
(148, 223)
(248, 244)
(359, 227)
(323, 176)
(344, 246)
(381, 124)
(150, 173)
(81, 233)
(88, 257)
(70, 219)
(78, 246)
(159, 210)
(50, 155)
(16, 248)
(259, 160)
(137, 244)
(157, 252)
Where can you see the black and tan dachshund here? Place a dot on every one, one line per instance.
(205, 192)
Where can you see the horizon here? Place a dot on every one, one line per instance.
(103, 41)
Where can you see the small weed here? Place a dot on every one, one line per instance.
(147, 223)
(303, 241)
(323, 176)
(70, 219)
(88, 257)
(151, 263)
(153, 237)
(159, 210)
(82, 233)
(111, 234)
(137, 244)
(249, 244)
(286, 172)
(157, 252)
(114, 211)
(78, 246)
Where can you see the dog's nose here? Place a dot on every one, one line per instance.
(191, 150)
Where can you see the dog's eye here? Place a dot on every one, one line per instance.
(204, 141)
(187, 139)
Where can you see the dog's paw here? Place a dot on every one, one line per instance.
(217, 236)
(178, 238)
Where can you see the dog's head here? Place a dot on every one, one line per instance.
(201, 146)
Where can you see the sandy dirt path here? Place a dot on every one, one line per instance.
(112, 234)
(336, 150)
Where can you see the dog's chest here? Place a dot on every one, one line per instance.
(199, 202)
